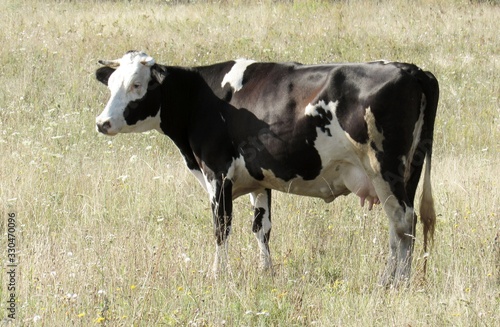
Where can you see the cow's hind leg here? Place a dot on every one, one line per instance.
(402, 221)
(222, 209)
(261, 201)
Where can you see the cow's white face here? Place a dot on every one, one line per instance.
(128, 110)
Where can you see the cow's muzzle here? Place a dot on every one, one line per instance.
(103, 126)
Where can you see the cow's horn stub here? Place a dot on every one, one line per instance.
(148, 61)
(110, 63)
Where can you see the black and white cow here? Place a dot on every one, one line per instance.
(246, 127)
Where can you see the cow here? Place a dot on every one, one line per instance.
(247, 127)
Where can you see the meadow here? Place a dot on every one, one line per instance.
(116, 231)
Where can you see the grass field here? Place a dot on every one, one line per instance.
(116, 232)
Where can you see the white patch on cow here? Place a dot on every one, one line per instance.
(243, 182)
(373, 133)
(208, 185)
(232, 169)
(235, 76)
(275, 183)
(324, 141)
(343, 169)
(365, 151)
(150, 123)
(417, 131)
(210, 188)
(200, 177)
(260, 199)
(383, 61)
(387, 199)
(311, 109)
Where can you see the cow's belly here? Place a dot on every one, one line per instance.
(337, 178)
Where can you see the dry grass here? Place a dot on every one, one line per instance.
(115, 231)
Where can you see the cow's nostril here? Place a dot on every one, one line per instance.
(104, 127)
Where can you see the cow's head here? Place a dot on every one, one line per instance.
(134, 106)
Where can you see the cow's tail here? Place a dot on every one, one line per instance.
(427, 213)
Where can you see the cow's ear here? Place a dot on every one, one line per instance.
(158, 73)
(102, 74)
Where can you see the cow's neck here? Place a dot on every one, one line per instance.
(188, 104)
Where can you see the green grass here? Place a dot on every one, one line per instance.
(116, 232)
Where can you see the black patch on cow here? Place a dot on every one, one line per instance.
(322, 119)
(350, 110)
(145, 107)
(290, 87)
(287, 153)
(258, 216)
(222, 208)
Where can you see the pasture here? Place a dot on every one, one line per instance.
(116, 231)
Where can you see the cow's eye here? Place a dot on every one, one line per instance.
(136, 86)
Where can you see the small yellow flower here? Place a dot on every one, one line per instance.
(180, 288)
(100, 320)
(282, 295)
(132, 286)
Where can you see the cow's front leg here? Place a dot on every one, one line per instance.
(222, 209)
(261, 201)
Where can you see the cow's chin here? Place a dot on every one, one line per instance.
(140, 127)
(124, 128)
(107, 133)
